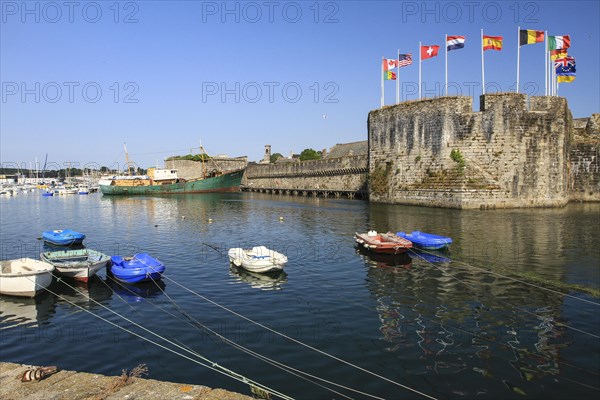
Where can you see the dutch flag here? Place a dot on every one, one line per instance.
(455, 42)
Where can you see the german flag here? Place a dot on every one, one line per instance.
(530, 37)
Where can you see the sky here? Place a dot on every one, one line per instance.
(81, 78)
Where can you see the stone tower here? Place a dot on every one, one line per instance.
(267, 157)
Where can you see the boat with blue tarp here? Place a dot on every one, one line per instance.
(426, 241)
(140, 267)
(63, 237)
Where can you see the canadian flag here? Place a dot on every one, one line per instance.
(429, 51)
(389, 64)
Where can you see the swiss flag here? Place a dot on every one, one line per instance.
(429, 51)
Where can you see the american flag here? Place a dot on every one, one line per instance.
(404, 59)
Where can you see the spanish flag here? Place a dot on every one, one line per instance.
(555, 54)
(492, 42)
(530, 37)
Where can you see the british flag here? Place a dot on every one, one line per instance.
(564, 66)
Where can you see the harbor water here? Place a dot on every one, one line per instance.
(448, 325)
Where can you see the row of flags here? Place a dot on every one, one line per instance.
(563, 67)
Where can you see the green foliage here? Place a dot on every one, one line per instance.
(378, 179)
(458, 158)
(275, 157)
(417, 159)
(310, 154)
(192, 157)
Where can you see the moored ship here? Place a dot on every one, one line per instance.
(166, 181)
(151, 184)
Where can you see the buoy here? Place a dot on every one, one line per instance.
(281, 218)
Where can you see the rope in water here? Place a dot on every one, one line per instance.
(521, 281)
(278, 364)
(504, 302)
(298, 341)
(207, 363)
(234, 344)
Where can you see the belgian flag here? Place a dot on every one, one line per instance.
(530, 37)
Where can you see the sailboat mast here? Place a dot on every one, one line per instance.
(127, 159)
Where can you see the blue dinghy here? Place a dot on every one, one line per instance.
(65, 237)
(139, 268)
(426, 241)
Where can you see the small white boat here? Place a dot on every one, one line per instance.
(80, 264)
(257, 259)
(25, 277)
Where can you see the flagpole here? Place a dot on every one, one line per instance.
(446, 86)
(482, 66)
(546, 63)
(555, 81)
(398, 79)
(518, 54)
(419, 70)
(382, 94)
(553, 78)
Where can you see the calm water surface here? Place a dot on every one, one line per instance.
(439, 325)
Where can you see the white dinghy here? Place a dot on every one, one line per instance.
(25, 277)
(257, 259)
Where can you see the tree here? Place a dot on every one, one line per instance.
(310, 154)
(275, 157)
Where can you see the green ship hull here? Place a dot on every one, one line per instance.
(228, 182)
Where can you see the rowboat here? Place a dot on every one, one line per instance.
(388, 243)
(65, 237)
(426, 241)
(140, 267)
(257, 259)
(80, 264)
(25, 277)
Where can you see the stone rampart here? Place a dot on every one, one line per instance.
(439, 152)
(584, 154)
(335, 174)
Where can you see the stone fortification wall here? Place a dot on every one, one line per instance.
(583, 160)
(438, 152)
(335, 174)
(188, 169)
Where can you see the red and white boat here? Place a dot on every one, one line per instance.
(387, 243)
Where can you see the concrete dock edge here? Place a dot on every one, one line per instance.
(81, 385)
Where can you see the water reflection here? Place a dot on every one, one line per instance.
(84, 295)
(447, 320)
(24, 311)
(384, 260)
(267, 281)
(430, 256)
(540, 241)
(138, 292)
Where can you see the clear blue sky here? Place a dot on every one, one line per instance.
(162, 66)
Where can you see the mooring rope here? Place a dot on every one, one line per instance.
(298, 341)
(234, 344)
(505, 302)
(266, 359)
(208, 363)
(520, 281)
